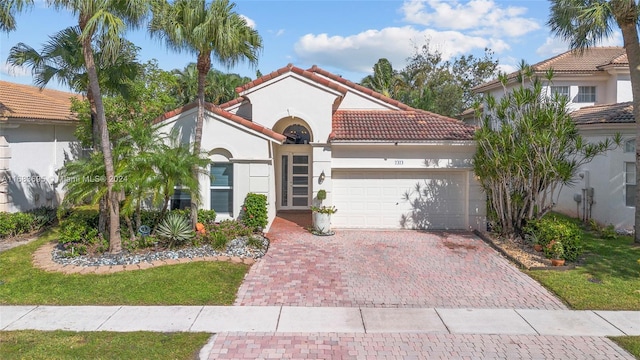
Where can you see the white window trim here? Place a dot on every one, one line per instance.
(224, 215)
(627, 183)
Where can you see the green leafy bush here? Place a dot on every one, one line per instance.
(43, 216)
(254, 211)
(219, 241)
(206, 216)
(176, 229)
(79, 231)
(231, 229)
(608, 232)
(551, 228)
(12, 224)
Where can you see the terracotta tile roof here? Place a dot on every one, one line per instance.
(604, 114)
(28, 102)
(592, 60)
(230, 103)
(296, 70)
(394, 125)
(360, 88)
(225, 114)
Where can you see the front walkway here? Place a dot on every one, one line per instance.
(387, 269)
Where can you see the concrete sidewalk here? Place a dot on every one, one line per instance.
(288, 319)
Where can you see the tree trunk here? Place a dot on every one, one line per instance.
(95, 143)
(113, 204)
(631, 45)
(203, 65)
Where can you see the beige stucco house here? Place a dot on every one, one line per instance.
(598, 85)
(36, 135)
(293, 132)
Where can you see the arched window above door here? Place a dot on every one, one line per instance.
(297, 134)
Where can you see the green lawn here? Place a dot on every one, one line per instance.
(198, 283)
(607, 277)
(629, 343)
(100, 345)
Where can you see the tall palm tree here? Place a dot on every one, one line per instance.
(104, 20)
(61, 59)
(205, 30)
(8, 9)
(586, 23)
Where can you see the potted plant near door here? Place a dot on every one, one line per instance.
(322, 216)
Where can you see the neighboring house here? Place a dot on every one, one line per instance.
(293, 132)
(598, 85)
(36, 135)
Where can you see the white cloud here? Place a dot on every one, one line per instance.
(480, 17)
(359, 52)
(14, 71)
(250, 22)
(554, 45)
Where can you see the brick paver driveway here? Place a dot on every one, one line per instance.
(387, 269)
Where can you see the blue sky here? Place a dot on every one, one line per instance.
(345, 37)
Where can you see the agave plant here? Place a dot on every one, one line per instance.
(176, 229)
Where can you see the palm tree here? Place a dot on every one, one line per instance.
(584, 24)
(61, 59)
(8, 8)
(104, 20)
(383, 80)
(215, 30)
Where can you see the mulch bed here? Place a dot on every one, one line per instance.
(520, 253)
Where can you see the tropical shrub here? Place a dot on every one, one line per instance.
(175, 229)
(43, 216)
(79, 228)
(219, 240)
(206, 216)
(231, 229)
(528, 148)
(254, 211)
(12, 224)
(551, 229)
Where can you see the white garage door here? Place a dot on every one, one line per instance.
(378, 199)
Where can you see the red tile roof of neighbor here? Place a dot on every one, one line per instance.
(225, 114)
(28, 102)
(397, 125)
(592, 60)
(604, 114)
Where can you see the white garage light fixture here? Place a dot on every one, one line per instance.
(321, 177)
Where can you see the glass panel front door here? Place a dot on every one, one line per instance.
(294, 187)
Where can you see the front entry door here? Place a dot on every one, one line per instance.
(295, 181)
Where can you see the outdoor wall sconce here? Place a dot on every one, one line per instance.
(321, 178)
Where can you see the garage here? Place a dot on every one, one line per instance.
(378, 199)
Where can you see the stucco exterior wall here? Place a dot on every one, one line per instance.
(36, 152)
(293, 97)
(606, 175)
(226, 141)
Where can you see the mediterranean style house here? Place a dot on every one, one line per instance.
(36, 136)
(598, 85)
(293, 132)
